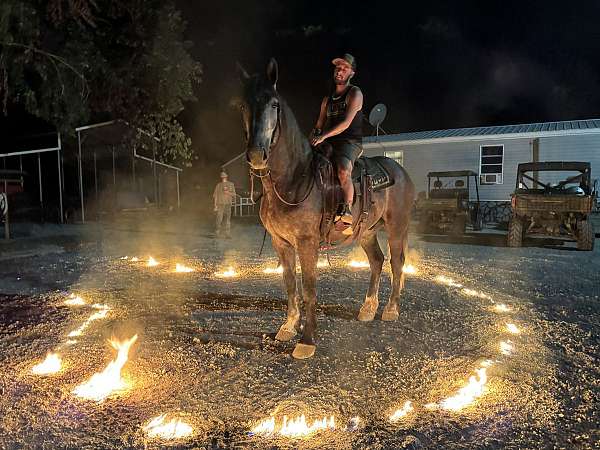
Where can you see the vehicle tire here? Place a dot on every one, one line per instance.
(459, 226)
(585, 235)
(515, 232)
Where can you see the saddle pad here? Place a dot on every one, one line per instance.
(380, 178)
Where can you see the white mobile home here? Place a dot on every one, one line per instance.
(491, 152)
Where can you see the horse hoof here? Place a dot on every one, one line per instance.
(389, 316)
(366, 315)
(285, 334)
(303, 351)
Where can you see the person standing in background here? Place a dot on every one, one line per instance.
(223, 196)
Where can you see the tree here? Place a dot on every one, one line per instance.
(72, 61)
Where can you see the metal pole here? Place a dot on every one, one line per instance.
(21, 168)
(154, 173)
(113, 167)
(96, 178)
(178, 197)
(60, 187)
(80, 179)
(40, 182)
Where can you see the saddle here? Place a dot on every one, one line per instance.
(368, 176)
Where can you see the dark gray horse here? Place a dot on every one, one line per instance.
(291, 208)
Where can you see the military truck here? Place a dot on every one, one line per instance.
(449, 205)
(553, 199)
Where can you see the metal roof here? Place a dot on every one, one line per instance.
(507, 131)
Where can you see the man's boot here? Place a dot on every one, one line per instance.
(346, 214)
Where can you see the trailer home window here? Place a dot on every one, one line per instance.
(491, 164)
(397, 156)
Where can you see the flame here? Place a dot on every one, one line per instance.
(474, 293)
(447, 281)
(50, 365)
(322, 263)
(468, 393)
(74, 301)
(229, 273)
(104, 383)
(175, 429)
(402, 412)
(271, 270)
(409, 269)
(135, 259)
(506, 347)
(294, 428)
(358, 264)
(512, 328)
(152, 262)
(501, 307)
(182, 268)
(124, 258)
(97, 315)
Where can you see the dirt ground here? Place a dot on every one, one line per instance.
(206, 351)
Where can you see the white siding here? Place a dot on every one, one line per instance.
(421, 159)
(584, 148)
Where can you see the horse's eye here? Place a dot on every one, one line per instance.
(275, 105)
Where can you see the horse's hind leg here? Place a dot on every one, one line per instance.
(287, 258)
(371, 247)
(398, 247)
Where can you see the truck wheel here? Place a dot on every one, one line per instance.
(459, 226)
(585, 235)
(515, 232)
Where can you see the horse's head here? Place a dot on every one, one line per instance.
(261, 118)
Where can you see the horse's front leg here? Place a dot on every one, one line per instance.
(287, 259)
(308, 254)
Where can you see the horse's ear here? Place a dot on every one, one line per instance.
(242, 74)
(272, 72)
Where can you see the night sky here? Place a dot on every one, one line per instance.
(434, 64)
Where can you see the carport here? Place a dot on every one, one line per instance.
(50, 142)
(109, 137)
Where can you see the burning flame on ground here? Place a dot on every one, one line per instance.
(512, 328)
(74, 300)
(151, 262)
(175, 429)
(271, 270)
(358, 264)
(104, 383)
(447, 281)
(322, 263)
(501, 307)
(135, 259)
(297, 427)
(468, 393)
(506, 347)
(409, 269)
(50, 365)
(474, 293)
(101, 314)
(402, 412)
(182, 269)
(229, 273)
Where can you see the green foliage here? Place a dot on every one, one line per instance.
(74, 61)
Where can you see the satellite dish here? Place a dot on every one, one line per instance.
(377, 116)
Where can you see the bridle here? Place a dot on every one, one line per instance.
(257, 173)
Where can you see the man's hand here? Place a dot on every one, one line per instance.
(216, 209)
(316, 140)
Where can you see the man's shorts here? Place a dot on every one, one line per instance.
(350, 149)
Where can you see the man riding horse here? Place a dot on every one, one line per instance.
(340, 125)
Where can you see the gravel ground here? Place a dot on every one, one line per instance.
(206, 351)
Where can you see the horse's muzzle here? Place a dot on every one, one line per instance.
(257, 158)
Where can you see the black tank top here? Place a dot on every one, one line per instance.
(336, 112)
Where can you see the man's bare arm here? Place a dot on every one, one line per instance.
(322, 117)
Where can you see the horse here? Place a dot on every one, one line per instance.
(291, 207)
